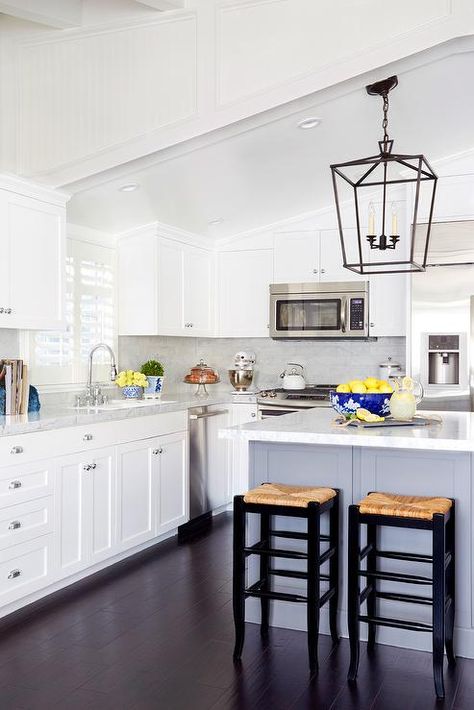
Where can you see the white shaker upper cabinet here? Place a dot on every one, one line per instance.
(331, 268)
(296, 256)
(138, 285)
(198, 284)
(388, 295)
(32, 242)
(243, 293)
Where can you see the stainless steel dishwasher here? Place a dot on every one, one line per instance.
(209, 475)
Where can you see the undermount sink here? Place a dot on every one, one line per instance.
(126, 404)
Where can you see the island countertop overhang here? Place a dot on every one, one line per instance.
(315, 426)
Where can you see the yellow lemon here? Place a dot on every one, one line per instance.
(371, 383)
(358, 387)
(385, 389)
(373, 390)
(343, 388)
(407, 383)
(365, 416)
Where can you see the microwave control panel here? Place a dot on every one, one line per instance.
(356, 312)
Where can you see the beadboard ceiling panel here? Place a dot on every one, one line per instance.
(85, 93)
(263, 44)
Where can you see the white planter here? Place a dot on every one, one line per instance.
(155, 387)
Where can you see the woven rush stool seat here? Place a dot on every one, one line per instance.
(283, 494)
(422, 507)
(273, 503)
(366, 575)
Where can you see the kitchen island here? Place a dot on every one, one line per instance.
(305, 448)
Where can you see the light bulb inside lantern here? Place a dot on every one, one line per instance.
(394, 219)
(371, 228)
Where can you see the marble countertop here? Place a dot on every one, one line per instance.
(61, 416)
(315, 426)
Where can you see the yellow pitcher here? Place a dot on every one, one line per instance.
(408, 393)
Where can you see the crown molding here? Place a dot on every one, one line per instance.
(19, 185)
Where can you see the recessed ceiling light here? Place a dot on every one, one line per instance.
(129, 187)
(216, 220)
(309, 123)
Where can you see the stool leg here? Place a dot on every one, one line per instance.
(451, 587)
(439, 551)
(238, 596)
(264, 567)
(313, 586)
(334, 568)
(353, 602)
(372, 597)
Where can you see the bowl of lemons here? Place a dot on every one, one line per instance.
(371, 394)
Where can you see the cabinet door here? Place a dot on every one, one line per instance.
(331, 267)
(101, 480)
(86, 509)
(219, 471)
(172, 499)
(37, 263)
(241, 414)
(138, 285)
(243, 296)
(198, 282)
(296, 257)
(72, 504)
(388, 304)
(170, 287)
(137, 468)
(5, 297)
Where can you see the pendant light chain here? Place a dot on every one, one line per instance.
(385, 118)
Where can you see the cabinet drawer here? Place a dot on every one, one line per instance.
(25, 448)
(25, 568)
(26, 521)
(27, 482)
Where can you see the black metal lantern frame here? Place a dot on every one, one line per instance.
(381, 173)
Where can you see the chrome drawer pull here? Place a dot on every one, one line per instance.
(14, 484)
(87, 437)
(14, 574)
(17, 450)
(14, 525)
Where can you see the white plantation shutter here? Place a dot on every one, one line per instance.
(61, 357)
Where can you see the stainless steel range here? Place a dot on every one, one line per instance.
(275, 402)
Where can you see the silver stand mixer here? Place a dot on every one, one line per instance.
(241, 375)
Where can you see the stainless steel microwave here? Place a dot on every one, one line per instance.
(319, 310)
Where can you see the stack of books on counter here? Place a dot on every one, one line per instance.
(14, 374)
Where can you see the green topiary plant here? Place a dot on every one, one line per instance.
(152, 368)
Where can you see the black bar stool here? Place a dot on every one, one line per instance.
(272, 499)
(413, 512)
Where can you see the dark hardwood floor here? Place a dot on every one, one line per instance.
(158, 635)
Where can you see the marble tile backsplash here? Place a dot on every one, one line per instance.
(9, 343)
(324, 361)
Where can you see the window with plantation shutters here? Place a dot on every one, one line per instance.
(60, 358)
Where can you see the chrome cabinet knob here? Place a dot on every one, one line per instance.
(157, 451)
(14, 525)
(14, 484)
(253, 414)
(315, 271)
(86, 467)
(323, 271)
(2, 310)
(372, 325)
(93, 466)
(14, 574)
(8, 311)
(16, 450)
(87, 437)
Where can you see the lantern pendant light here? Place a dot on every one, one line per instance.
(376, 186)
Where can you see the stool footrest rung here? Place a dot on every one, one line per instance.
(295, 535)
(396, 623)
(396, 577)
(326, 596)
(260, 548)
(324, 557)
(255, 590)
(404, 556)
(294, 574)
(365, 551)
(409, 598)
(365, 593)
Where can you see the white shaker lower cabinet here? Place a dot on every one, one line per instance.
(172, 499)
(86, 509)
(137, 474)
(218, 457)
(241, 414)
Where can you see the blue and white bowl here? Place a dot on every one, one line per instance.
(349, 402)
(132, 392)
